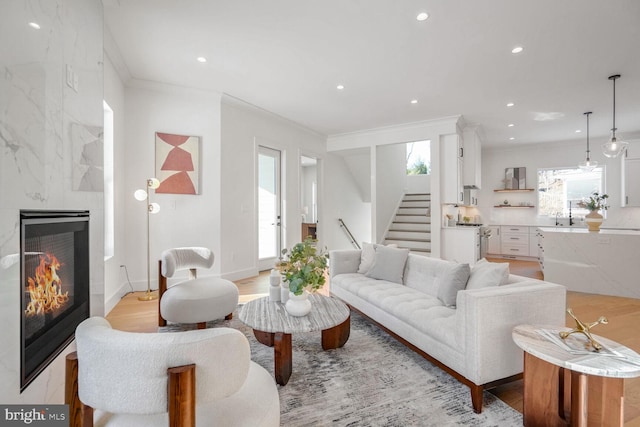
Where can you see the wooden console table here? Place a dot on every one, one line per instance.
(309, 229)
(562, 388)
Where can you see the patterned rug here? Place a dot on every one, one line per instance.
(372, 381)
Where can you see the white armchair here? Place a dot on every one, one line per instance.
(195, 300)
(149, 379)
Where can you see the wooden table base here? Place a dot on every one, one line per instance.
(283, 352)
(554, 396)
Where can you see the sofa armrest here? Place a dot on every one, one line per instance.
(486, 318)
(344, 261)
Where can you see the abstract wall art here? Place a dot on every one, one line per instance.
(178, 163)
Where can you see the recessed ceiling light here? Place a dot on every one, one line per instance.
(511, 139)
(414, 101)
(201, 59)
(510, 125)
(422, 16)
(578, 131)
(517, 49)
(34, 25)
(510, 104)
(340, 87)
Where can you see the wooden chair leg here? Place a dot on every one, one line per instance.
(228, 316)
(162, 287)
(476, 397)
(80, 415)
(182, 396)
(202, 325)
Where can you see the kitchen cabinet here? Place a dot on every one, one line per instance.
(514, 240)
(452, 165)
(494, 248)
(472, 165)
(461, 244)
(631, 175)
(534, 245)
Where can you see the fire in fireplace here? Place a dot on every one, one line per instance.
(54, 255)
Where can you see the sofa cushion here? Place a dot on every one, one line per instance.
(424, 273)
(366, 257)
(485, 274)
(452, 281)
(388, 264)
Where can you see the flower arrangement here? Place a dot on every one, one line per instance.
(595, 202)
(303, 267)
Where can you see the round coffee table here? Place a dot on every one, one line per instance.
(273, 326)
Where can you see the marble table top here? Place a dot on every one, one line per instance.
(268, 316)
(614, 360)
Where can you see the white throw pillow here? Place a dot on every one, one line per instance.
(454, 280)
(366, 257)
(485, 274)
(388, 264)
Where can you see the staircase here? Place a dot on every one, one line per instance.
(411, 227)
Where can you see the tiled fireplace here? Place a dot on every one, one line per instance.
(54, 272)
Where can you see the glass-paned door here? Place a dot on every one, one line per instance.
(269, 207)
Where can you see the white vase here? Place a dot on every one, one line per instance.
(284, 292)
(298, 305)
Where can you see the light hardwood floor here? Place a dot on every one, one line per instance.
(623, 315)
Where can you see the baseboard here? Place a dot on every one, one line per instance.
(241, 274)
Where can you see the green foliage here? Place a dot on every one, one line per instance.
(303, 267)
(418, 168)
(595, 202)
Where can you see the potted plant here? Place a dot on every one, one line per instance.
(303, 268)
(594, 203)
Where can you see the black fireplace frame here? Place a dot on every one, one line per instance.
(36, 356)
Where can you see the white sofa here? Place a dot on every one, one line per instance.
(469, 335)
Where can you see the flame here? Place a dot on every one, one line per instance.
(45, 289)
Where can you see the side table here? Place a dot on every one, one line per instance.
(273, 326)
(578, 387)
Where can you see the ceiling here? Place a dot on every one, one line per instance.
(288, 56)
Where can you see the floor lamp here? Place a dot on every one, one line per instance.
(152, 208)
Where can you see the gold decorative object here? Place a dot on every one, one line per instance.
(585, 329)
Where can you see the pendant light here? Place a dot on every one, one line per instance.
(588, 165)
(614, 146)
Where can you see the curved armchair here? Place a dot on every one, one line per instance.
(195, 300)
(149, 379)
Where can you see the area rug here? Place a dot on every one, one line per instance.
(372, 381)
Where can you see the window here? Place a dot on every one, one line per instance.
(419, 158)
(561, 189)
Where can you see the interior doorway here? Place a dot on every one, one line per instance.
(309, 196)
(269, 207)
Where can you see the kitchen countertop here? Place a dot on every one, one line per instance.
(603, 231)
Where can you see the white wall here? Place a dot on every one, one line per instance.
(244, 128)
(560, 154)
(307, 180)
(344, 199)
(183, 220)
(115, 285)
(391, 180)
(45, 126)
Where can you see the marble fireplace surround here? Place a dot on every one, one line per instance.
(50, 134)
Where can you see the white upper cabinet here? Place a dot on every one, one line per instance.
(452, 168)
(472, 172)
(631, 175)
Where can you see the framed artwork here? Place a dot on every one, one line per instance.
(515, 178)
(178, 163)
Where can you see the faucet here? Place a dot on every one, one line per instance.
(570, 217)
